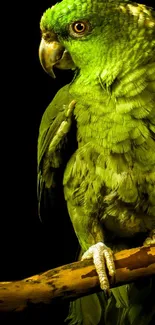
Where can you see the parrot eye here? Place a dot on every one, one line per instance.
(79, 28)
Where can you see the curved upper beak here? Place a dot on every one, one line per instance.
(53, 54)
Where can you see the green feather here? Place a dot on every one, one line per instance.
(108, 177)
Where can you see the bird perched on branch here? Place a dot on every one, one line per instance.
(97, 143)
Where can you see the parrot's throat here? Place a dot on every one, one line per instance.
(110, 119)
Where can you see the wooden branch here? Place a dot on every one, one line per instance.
(74, 280)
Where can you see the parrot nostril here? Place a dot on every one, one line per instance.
(49, 36)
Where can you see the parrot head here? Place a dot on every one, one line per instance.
(97, 37)
(65, 27)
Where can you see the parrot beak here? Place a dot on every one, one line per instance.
(53, 54)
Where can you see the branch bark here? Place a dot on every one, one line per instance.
(74, 280)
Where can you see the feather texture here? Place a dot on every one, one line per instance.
(108, 172)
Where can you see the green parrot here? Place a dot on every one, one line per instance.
(96, 143)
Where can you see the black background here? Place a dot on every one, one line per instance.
(26, 246)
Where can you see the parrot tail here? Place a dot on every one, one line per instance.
(132, 304)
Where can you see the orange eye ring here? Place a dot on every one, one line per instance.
(79, 27)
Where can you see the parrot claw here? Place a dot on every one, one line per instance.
(102, 257)
(151, 239)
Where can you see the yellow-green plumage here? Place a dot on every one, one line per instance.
(108, 176)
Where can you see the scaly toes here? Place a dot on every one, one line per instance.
(102, 257)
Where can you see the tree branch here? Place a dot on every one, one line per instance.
(74, 280)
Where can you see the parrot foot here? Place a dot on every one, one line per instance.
(151, 239)
(102, 257)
